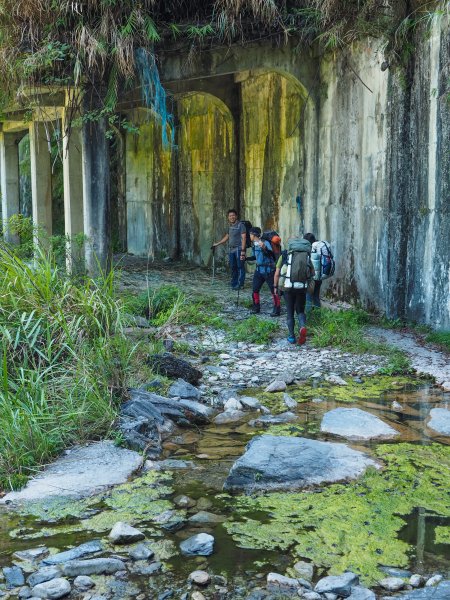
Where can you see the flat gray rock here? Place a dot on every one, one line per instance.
(337, 584)
(93, 566)
(44, 574)
(229, 416)
(281, 462)
(54, 589)
(250, 402)
(183, 389)
(440, 592)
(201, 544)
(80, 472)
(361, 593)
(440, 420)
(277, 385)
(195, 411)
(74, 553)
(356, 424)
(123, 533)
(14, 577)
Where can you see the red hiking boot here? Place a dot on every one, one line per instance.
(302, 336)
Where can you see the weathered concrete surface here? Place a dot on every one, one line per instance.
(80, 472)
(278, 462)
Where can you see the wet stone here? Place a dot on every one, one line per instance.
(83, 583)
(31, 555)
(93, 566)
(280, 462)
(311, 596)
(286, 417)
(335, 379)
(440, 420)
(122, 533)
(203, 517)
(141, 552)
(183, 389)
(25, 592)
(433, 580)
(232, 404)
(201, 544)
(229, 416)
(249, 402)
(183, 501)
(78, 552)
(277, 385)
(144, 568)
(392, 584)
(337, 584)
(44, 574)
(416, 580)
(14, 577)
(200, 577)
(54, 589)
(361, 593)
(304, 569)
(277, 582)
(439, 592)
(357, 424)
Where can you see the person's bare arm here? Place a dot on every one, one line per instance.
(222, 241)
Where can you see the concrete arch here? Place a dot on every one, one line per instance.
(273, 149)
(206, 171)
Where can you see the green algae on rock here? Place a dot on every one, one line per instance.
(371, 387)
(442, 535)
(351, 526)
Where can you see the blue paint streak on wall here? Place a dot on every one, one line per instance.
(153, 93)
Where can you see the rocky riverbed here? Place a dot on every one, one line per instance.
(261, 483)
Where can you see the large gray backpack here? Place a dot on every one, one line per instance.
(299, 267)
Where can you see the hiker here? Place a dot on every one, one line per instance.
(264, 272)
(237, 244)
(293, 272)
(314, 298)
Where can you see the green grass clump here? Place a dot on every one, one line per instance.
(254, 330)
(441, 338)
(63, 362)
(342, 328)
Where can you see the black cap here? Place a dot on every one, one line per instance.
(255, 231)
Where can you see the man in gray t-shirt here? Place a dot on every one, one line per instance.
(237, 244)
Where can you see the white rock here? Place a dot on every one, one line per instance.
(53, 589)
(198, 596)
(304, 569)
(392, 584)
(232, 404)
(200, 577)
(122, 533)
(311, 596)
(416, 580)
(433, 580)
(396, 406)
(276, 386)
(289, 401)
(83, 583)
(275, 580)
(333, 378)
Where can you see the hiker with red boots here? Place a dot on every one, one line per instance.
(264, 257)
(293, 273)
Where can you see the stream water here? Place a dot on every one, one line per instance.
(213, 449)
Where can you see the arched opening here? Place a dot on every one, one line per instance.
(206, 172)
(272, 151)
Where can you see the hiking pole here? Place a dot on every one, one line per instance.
(213, 248)
(237, 299)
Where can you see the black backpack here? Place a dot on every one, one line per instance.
(275, 241)
(248, 226)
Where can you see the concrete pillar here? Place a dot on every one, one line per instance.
(9, 177)
(41, 179)
(73, 189)
(96, 195)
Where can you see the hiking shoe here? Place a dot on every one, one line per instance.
(291, 339)
(302, 336)
(256, 308)
(276, 311)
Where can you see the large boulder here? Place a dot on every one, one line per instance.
(356, 424)
(440, 420)
(340, 585)
(81, 472)
(281, 462)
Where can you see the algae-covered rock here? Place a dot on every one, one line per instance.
(281, 462)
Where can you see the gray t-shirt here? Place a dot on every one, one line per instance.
(235, 232)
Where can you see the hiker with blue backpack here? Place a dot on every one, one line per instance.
(237, 248)
(294, 271)
(264, 258)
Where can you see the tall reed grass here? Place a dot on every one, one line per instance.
(63, 361)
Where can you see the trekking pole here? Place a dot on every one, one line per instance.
(237, 299)
(213, 248)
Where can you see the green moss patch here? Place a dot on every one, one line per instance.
(351, 526)
(442, 535)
